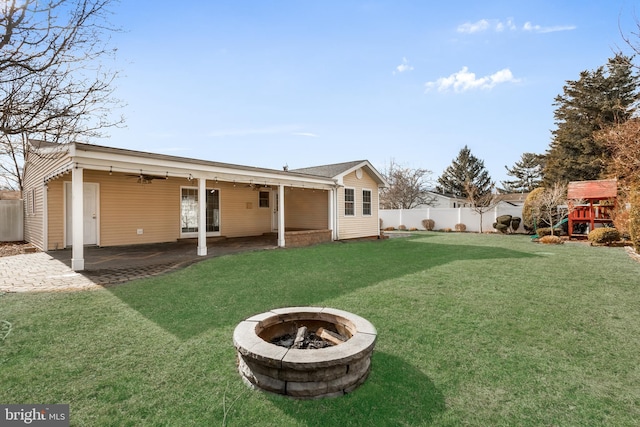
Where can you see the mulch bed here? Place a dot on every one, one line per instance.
(16, 248)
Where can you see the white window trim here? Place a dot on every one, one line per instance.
(268, 199)
(355, 202)
(191, 234)
(370, 202)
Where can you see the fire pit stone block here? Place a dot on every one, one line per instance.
(304, 373)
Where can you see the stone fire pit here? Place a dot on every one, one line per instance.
(305, 373)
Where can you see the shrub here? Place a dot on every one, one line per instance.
(544, 231)
(428, 224)
(501, 227)
(504, 219)
(460, 227)
(604, 235)
(507, 223)
(551, 240)
(502, 223)
(402, 227)
(413, 229)
(446, 230)
(389, 229)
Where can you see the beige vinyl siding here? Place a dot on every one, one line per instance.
(240, 214)
(306, 209)
(350, 227)
(127, 206)
(55, 214)
(36, 168)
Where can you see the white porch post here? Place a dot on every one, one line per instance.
(332, 213)
(77, 219)
(202, 216)
(281, 224)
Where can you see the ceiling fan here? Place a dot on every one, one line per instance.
(144, 178)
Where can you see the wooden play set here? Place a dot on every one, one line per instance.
(591, 205)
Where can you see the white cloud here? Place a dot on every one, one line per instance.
(465, 80)
(403, 67)
(474, 27)
(499, 26)
(528, 26)
(309, 134)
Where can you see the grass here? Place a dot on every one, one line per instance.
(473, 330)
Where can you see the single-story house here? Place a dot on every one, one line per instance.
(83, 194)
(444, 200)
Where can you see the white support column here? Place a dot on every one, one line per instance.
(332, 214)
(77, 219)
(281, 225)
(202, 216)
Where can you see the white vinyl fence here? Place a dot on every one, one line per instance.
(11, 221)
(448, 217)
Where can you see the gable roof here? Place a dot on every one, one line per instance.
(339, 170)
(597, 189)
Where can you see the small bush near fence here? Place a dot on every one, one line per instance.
(604, 236)
(507, 223)
(460, 227)
(551, 240)
(546, 231)
(428, 224)
(402, 227)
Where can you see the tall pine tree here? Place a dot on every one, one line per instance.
(527, 173)
(597, 100)
(466, 171)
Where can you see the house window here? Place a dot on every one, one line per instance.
(366, 202)
(33, 201)
(264, 199)
(349, 201)
(189, 210)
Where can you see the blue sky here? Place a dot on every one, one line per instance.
(305, 83)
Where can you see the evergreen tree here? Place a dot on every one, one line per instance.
(527, 173)
(466, 171)
(597, 100)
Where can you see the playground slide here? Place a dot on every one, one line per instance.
(564, 221)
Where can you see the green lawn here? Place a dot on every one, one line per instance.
(477, 330)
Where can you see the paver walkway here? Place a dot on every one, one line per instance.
(40, 272)
(51, 271)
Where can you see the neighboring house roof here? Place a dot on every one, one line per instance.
(339, 170)
(514, 199)
(595, 190)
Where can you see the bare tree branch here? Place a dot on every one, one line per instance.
(54, 85)
(408, 188)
